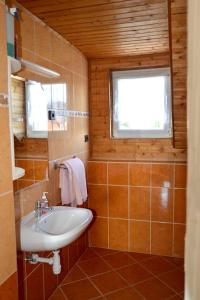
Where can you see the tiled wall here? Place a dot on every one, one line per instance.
(38, 281)
(8, 282)
(139, 206)
(40, 44)
(35, 171)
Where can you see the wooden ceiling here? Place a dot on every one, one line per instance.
(107, 28)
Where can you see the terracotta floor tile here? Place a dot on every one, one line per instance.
(104, 251)
(130, 269)
(74, 274)
(94, 266)
(176, 297)
(125, 294)
(80, 290)
(174, 279)
(140, 256)
(119, 259)
(134, 273)
(57, 295)
(179, 262)
(108, 282)
(153, 289)
(158, 265)
(88, 254)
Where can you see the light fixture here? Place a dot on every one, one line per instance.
(39, 69)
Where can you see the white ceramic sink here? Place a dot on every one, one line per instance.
(54, 230)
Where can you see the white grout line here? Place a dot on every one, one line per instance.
(88, 278)
(157, 276)
(124, 266)
(109, 161)
(136, 186)
(147, 221)
(65, 296)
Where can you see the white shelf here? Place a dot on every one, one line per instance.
(18, 173)
(15, 64)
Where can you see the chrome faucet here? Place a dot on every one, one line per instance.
(42, 206)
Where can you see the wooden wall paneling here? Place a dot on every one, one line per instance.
(102, 146)
(178, 45)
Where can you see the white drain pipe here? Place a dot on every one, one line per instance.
(54, 261)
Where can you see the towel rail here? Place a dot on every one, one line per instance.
(60, 165)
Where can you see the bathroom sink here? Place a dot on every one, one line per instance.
(54, 230)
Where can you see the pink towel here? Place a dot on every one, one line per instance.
(73, 182)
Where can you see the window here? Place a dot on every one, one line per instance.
(141, 103)
(40, 97)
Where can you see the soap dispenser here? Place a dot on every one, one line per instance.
(44, 200)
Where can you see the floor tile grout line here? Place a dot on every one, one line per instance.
(165, 258)
(65, 296)
(129, 254)
(115, 270)
(128, 284)
(121, 267)
(88, 278)
(157, 277)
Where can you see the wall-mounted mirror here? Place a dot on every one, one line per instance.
(37, 101)
(29, 108)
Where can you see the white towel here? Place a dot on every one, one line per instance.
(73, 182)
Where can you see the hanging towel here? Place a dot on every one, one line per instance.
(73, 182)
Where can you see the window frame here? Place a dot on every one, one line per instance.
(115, 132)
(34, 134)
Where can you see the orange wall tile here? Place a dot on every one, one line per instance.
(98, 233)
(8, 283)
(140, 236)
(180, 176)
(140, 203)
(139, 208)
(162, 174)
(161, 238)
(97, 172)
(118, 202)
(162, 204)
(118, 234)
(38, 43)
(139, 174)
(180, 206)
(118, 173)
(98, 199)
(8, 290)
(5, 158)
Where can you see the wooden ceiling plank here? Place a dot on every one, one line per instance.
(124, 41)
(114, 31)
(116, 27)
(122, 37)
(118, 22)
(96, 13)
(73, 7)
(107, 28)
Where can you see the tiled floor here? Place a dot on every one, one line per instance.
(112, 275)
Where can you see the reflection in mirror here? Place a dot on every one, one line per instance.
(30, 129)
